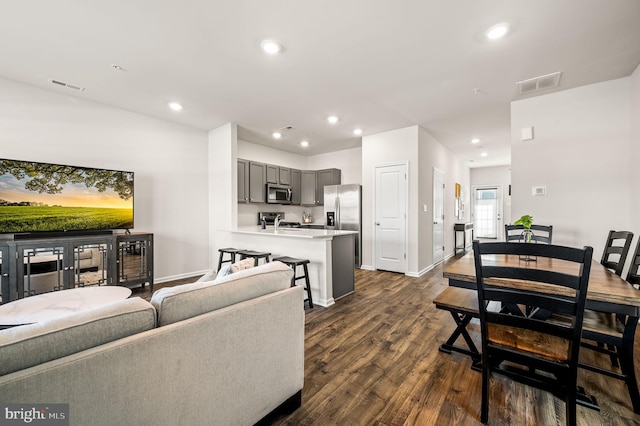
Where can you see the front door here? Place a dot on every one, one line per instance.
(487, 212)
(391, 218)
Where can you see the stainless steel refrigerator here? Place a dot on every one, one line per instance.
(343, 210)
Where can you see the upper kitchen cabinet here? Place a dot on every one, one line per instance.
(257, 178)
(278, 175)
(323, 178)
(243, 181)
(284, 176)
(313, 183)
(308, 188)
(296, 187)
(272, 173)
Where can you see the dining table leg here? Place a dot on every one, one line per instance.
(462, 320)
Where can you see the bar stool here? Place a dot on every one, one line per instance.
(231, 252)
(256, 255)
(293, 263)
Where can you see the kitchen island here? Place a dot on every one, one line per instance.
(331, 253)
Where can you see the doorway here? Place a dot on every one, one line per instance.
(487, 212)
(391, 217)
(438, 216)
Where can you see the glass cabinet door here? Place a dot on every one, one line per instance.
(4, 276)
(90, 264)
(134, 258)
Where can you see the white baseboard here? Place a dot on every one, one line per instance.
(367, 267)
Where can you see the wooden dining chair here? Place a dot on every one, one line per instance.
(615, 250)
(541, 233)
(614, 335)
(633, 275)
(540, 353)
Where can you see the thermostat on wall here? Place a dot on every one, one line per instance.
(539, 190)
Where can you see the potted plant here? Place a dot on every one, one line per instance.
(526, 221)
(527, 235)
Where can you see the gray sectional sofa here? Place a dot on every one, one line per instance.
(222, 352)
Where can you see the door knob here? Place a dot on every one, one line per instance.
(377, 223)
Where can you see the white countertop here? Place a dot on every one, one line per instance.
(292, 232)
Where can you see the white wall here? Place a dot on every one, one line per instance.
(581, 154)
(169, 161)
(415, 146)
(223, 194)
(434, 154)
(396, 146)
(498, 175)
(349, 161)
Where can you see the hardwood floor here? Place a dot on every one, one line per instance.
(373, 359)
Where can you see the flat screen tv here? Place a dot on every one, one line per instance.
(42, 197)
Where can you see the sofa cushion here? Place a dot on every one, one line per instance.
(177, 303)
(28, 345)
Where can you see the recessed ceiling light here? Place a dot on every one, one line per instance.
(483, 154)
(332, 119)
(357, 131)
(271, 47)
(276, 135)
(475, 140)
(497, 31)
(304, 144)
(175, 106)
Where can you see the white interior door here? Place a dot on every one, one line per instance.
(391, 218)
(487, 212)
(438, 216)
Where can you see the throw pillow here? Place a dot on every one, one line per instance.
(224, 271)
(241, 265)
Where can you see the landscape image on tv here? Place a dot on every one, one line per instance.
(37, 197)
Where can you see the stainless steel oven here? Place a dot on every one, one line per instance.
(278, 194)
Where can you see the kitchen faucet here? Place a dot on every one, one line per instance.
(276, 222)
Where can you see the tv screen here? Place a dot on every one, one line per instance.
(43, 197)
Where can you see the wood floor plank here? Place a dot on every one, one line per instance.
(373, 359)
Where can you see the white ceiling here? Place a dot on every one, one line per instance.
(377, 64)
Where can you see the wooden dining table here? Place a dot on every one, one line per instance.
(606, 292)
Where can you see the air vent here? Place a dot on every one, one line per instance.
(286, 128)
(539, 83)
(67, 85)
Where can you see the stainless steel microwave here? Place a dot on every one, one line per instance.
(278, 194)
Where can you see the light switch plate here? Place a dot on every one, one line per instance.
(527, 133)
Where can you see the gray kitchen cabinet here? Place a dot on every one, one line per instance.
(308, 188)
(284, 176)
(273, 174)
(296, 187)
(243, 181)
(257, 179)
(323, 178)
(278, 175)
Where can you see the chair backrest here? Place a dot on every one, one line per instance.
(633, 276)
(616, 250)
(556, 291)
(541, 233)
